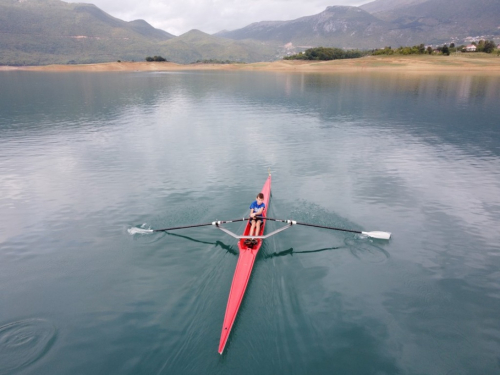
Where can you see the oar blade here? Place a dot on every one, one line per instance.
(379, 235)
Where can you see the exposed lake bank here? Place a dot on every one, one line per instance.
(469, 63)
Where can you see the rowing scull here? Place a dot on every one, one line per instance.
(248, 254)
(243, 270)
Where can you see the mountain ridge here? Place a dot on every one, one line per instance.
(38, 32)
(382, 22)
(328, 28)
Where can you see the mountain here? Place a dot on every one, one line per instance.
(381, 23)
(339, 26)
(145, 29)
(196, 45)
(441, 20)
(52, 31)
(37, 32)
(379, 6)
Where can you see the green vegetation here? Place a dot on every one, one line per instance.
(415, 50)
(50, 31)
(196, 45)
(487, 46)
(215, 61)
(156, 58)
(325, 54)
(40, 32)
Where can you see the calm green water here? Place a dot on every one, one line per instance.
(86, 157)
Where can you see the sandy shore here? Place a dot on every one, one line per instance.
(455, 64)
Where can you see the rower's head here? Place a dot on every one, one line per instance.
(260, 197)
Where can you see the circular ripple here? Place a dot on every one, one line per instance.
(24, 342)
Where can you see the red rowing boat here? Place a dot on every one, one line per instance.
(242, 273)
(249, 253)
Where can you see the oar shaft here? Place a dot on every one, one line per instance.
(323, 227)
(185, 227)
(377, 234)
(314, 225)
(198, 225)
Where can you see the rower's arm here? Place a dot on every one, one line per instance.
(258, 213)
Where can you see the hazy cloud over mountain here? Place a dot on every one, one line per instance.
(211, 16)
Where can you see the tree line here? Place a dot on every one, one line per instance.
(413, 50)
(155, 58)
(487, 46)
(325, 54)
(216, 61)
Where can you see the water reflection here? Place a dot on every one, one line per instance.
(361, 248)
(228, 248)
(84, 155)
(388, 99)
(291, 251)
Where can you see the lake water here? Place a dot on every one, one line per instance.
(85, 158)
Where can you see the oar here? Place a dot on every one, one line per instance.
(199, 225)
(376, 234)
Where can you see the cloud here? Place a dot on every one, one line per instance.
(211, 16)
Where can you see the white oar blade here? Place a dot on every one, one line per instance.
(379, 235)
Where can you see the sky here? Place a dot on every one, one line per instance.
(211, 16)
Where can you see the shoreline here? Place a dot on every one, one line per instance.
(470, 64)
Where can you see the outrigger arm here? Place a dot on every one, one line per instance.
(218, 225)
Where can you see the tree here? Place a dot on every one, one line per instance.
(480, 46)
(155, 58)
(385, 51)
(489, 46)
(445, 50)
(402, 50)
(429, 50)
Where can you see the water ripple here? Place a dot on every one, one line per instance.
(139, 230)
(24, 342)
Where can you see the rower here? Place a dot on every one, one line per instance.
(256, 209)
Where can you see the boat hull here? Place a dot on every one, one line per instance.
(243, 271)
